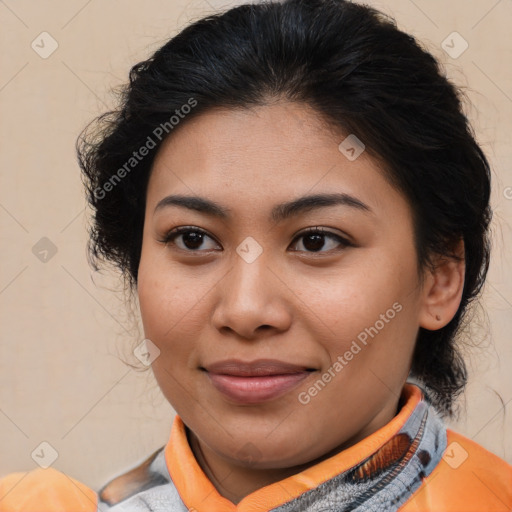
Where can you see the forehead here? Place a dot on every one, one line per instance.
(268, 153)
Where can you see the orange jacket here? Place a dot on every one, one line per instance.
(468, 478)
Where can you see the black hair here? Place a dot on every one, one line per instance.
(363, 76)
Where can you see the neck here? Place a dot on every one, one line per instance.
(234, 482)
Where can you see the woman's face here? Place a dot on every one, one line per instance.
(326, 322)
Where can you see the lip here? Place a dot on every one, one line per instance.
(256, 381)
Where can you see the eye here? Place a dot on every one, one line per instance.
(190, 238)
(314, 239)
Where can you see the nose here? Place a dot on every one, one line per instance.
(253, 300)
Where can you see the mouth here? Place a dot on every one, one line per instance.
(256, 381)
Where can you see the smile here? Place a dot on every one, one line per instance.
(256, 381)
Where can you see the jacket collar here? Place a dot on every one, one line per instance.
(373, 460)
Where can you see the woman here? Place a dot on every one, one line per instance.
(295, 195)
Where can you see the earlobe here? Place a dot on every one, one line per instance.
(442, 291)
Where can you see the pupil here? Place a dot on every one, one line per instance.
(194, 238)
(317, 242)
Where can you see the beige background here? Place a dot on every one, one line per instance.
(62, 335)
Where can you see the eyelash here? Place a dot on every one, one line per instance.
(171, 235)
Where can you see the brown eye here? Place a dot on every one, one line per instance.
(314, 240)
(187, 239)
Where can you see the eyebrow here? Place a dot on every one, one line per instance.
(279, 212)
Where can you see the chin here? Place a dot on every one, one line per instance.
(266, 452)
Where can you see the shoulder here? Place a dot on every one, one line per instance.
(468, 478)
(150, 473)
(49, 490)
(45, 490)
(147, 486)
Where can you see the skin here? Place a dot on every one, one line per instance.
(201, 303)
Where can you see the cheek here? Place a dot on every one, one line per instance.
(169, 315)
(350, 301)
(369, 311)
(169, 306)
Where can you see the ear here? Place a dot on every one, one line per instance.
(442, 291)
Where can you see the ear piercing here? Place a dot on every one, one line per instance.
(438, 317)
